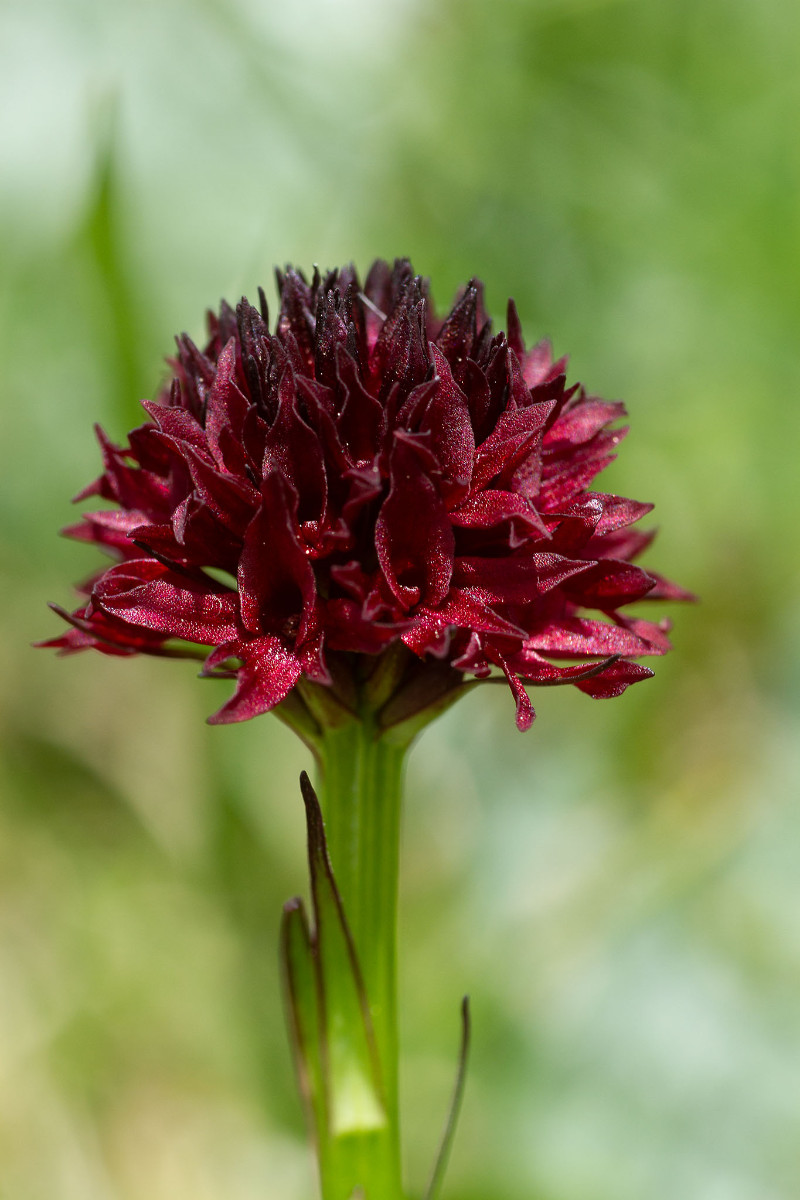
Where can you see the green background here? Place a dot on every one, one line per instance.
(618, 889)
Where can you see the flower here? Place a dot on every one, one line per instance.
(370, 483)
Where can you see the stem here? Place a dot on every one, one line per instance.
(361, 776)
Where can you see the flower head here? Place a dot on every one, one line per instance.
(370, 483)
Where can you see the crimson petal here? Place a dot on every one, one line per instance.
(267, 674)
(413, 536)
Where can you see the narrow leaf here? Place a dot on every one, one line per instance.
(440, 1165)
(302, 1006)
(351, 1065)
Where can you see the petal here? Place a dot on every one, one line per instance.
(447, 419)
(226, 411)
(413, 536)
(665, 590)
(614, 680)
(110, 528)
(268, 673)
(361, 424)
(230, 499)
(293, 449)
(514, 579)
(525, 711)
(195, 609)
(96, 630)
(276, 579)
(619, 512)
(609, 584)
(517, 432)
(489, 508)
(574, 636)
(580, 422)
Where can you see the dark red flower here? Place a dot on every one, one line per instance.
(370, 476)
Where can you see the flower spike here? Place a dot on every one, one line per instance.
(370, 478)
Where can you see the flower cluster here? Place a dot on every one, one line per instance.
(370, 476)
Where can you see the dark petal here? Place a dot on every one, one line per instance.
(254, 345)
(276, 580)
(456, 337)
(194, 371)
(525, 712)
(226, 412)
(365, 486)
(198, 536)
(221, 328)
(231, 500)
(623, 543)
(146, 594)
(666, 590)
(361, 424)
(268, 673)
(580, 423)
(377, 299)
(578, 636)
(618, 512)
(386, 286)
(93, 629)
(413, 536)
(346, 628)
(479, 398)
(539, 672)
(652, 632)
(179, 424)
(352, 579)
(296, 316)
(447, 419)
(110, 528)
(354, 311)
(409, 413)
(565, 476)
(571, 530)
(130, 487)
(405, 360)
(471, 657)
(311, 657)
(293, 449)
(519, 393)
(331, 333)
(254, 439)
(491, 507)
(610, 584)
(517, 433)
(514, 331)
(515, 579)
(460, 611)
(614, 680)
(400, 353)
(539, 367)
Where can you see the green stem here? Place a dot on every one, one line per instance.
(361, 776)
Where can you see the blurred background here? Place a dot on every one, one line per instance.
(618, 889)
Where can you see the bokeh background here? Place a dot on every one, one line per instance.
(618, 889)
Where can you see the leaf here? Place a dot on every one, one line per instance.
(351, 1066)
(302, 1004)
(332, 1035)
(445, 1146)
